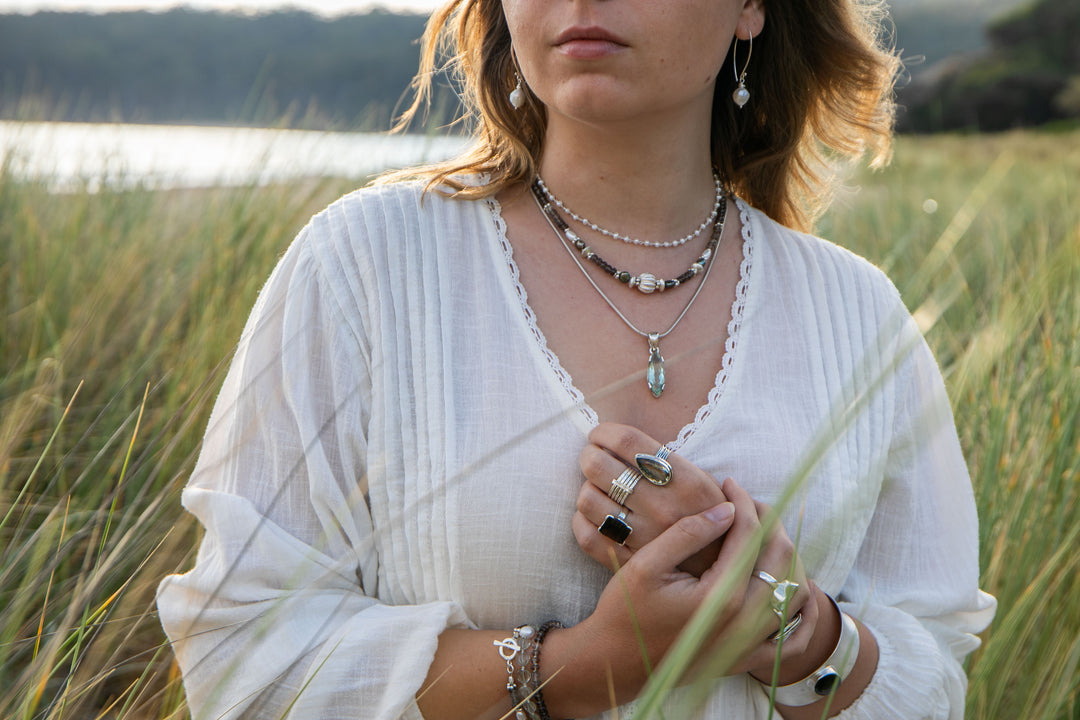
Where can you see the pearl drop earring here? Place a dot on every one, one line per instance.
(517, 95)
(741, 96)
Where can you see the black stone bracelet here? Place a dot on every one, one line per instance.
(534, 663)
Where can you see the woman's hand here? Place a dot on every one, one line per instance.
(653, 510)
(649, 601)
(779, 559)
(650, 509)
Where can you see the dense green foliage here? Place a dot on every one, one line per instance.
(117, 310)
(1029, 76)
(193, 67)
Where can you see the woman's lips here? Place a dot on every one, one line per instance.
(588, 43)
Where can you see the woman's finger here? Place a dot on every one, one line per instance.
(601, 549)
(612, 451)
(739, 542)
(687, 536)
(779, 560)
(602, 470)
(760, 662)
(739, 548)
(625, 443)
(596, 506)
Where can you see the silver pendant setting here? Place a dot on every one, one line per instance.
(655, 375)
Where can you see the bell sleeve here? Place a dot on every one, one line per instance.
(915, 580)
(280, 615)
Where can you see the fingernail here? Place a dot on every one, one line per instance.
(720, 513)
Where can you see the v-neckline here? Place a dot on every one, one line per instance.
(554, 366)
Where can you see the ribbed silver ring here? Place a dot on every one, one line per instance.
(622, 486)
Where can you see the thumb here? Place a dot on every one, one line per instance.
(685, 537)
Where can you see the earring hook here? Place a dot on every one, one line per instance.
(740, 77)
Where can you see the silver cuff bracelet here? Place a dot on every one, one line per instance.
(827, 678)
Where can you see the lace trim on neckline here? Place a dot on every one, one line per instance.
(738, 307)
(530, 317)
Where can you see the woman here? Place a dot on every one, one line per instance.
(468, 459)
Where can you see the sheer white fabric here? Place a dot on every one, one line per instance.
(394, 452)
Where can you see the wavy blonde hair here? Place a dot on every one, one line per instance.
(820, 80)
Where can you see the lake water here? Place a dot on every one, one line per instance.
(81, 155)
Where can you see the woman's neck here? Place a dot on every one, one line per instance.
(652, 181)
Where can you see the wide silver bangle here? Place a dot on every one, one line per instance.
(827, 678)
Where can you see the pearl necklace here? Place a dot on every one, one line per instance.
(635, 241)
(655, 374)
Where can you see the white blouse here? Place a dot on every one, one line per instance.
(395, 452)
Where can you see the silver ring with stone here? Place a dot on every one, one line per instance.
(616, 528)
(622, 486)
(788, 630)
(655, 468)
(782, 592)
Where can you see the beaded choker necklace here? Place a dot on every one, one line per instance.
(655, 374)
(645, 282)
(635, 241)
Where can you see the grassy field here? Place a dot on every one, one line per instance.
(119, 309)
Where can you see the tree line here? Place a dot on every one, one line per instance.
(292, 68)
(184, 66)
(1029, 75)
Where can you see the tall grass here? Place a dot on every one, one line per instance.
(120, 308)
(998, 263)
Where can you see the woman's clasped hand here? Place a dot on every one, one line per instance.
(689, 537)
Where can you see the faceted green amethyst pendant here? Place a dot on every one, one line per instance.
(655, 375)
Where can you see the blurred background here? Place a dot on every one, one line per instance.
(982, 65)
(345, 66)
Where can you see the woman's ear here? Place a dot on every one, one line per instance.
(751, 19)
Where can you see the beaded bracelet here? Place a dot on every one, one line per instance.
(535, 666)
(523, 681)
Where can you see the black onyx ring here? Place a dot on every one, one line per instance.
(655, 468)
(616, 528)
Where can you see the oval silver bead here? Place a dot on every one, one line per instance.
(646, 283)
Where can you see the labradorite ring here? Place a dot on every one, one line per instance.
(655, 468)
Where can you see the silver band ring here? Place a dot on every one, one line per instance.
(655, 468)
(788, 630)
(782, 592)
(616, 528)
(622, 486)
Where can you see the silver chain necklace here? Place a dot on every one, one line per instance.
(636, 241)
(655, 375)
